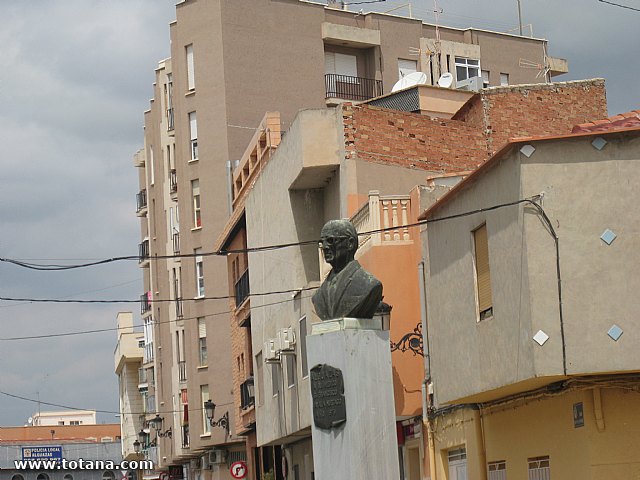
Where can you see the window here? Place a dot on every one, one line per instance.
(467, 68)
(291, 370)
(483, 276)
(191, 77)
(17, 476)
(108, 476)
(61, 422)
(199, 273)
(275, 378)
(202, 341)
(504, 79)
(168, 93)
(457, 464)
(152, 176)
(405, 67)
(193, 135)
(303, 346)
(75, 422)
(195, 194)
(204, 396)
(485, 78)
(42, 476)
(497, 470)
(260, 375)
(341, 64)
(539, 468)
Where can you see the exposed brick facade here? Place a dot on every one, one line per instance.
(478, 130)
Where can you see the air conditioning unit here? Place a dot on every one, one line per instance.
(194, 463)
(473, 84)
(204, 463)
(270, 352)
(286, 340)
(217, 456)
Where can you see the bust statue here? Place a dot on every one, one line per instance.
(349, 290)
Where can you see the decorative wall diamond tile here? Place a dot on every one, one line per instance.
(615, 332)
(608, 236)
(599, 143)
(528, 150)
(541, 337)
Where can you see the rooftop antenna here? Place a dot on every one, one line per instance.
(543, 68)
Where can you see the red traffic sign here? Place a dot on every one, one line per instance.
(238, 469)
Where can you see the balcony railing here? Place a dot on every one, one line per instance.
(143, 251)
(351, 88)
(182, 371)
(173, 181)
(145, 303)
(141, 200)
(247, 398)
(176, 242)
(242, 288)
(388, 212)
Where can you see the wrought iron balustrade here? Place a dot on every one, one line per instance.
(242, 288)
(351, 88)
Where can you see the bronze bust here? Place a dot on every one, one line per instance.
(349, 290)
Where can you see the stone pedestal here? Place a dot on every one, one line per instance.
(365, 445)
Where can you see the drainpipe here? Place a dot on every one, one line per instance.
(478, 422)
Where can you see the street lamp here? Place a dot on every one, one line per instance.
(156, 423)
(223, 422)
(383, 312)
(136, 447)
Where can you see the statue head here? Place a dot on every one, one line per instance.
(339, 242)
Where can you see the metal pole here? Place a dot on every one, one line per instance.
(520, 17)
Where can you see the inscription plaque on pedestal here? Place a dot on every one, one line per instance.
(327, 393)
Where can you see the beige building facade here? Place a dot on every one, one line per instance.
(230, 63)
(531, 324)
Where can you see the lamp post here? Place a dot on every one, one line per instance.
(223, 422)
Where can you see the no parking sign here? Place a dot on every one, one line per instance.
(238, 469)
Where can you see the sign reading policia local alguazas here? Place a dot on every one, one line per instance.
(45, 452)
(327, 393)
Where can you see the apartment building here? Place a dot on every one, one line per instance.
(231, 62)
(531, 310)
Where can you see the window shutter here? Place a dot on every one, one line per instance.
(329, 62)
(202, 328)
(482, 268)
(191, 83)
(346, 65)
(193, 126)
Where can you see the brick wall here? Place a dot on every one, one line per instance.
(411, 140)
(530, 110)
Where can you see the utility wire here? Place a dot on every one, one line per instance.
(159, 322)
(252, 249)
(621, 6)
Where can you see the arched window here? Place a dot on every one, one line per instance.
(107, 475)
(42, 476)
(67, 476)
(17, 476)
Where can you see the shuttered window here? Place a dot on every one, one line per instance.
(341, 64)
(191, 77)
(483, 275)
(202, 341)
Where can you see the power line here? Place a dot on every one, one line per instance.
(621, 6)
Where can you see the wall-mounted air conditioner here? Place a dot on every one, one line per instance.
(270, 351)
(204, 463)
(217, 456)
(286, 340)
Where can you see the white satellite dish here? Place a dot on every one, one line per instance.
(415, 78)
(30, 421)
(445, 80)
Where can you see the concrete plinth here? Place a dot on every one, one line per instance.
(365, 446)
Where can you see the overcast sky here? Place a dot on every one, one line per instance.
(76, 78)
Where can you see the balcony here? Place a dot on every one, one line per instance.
(176, 242)
(247, 398)
(141, 203)
(388, 212)
(346, 87)
(173, 183)
(145, 303)
(182, 371)
(143, 253)
(241, 288)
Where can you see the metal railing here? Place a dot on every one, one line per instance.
(173, 181)
(141, 200)
(143, 251)
(145, 303)
(247, 398)
(242, 288)
(182, 371)
(351, 88)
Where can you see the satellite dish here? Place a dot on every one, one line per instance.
(445, 80)
(30, 421)
(415, 78)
